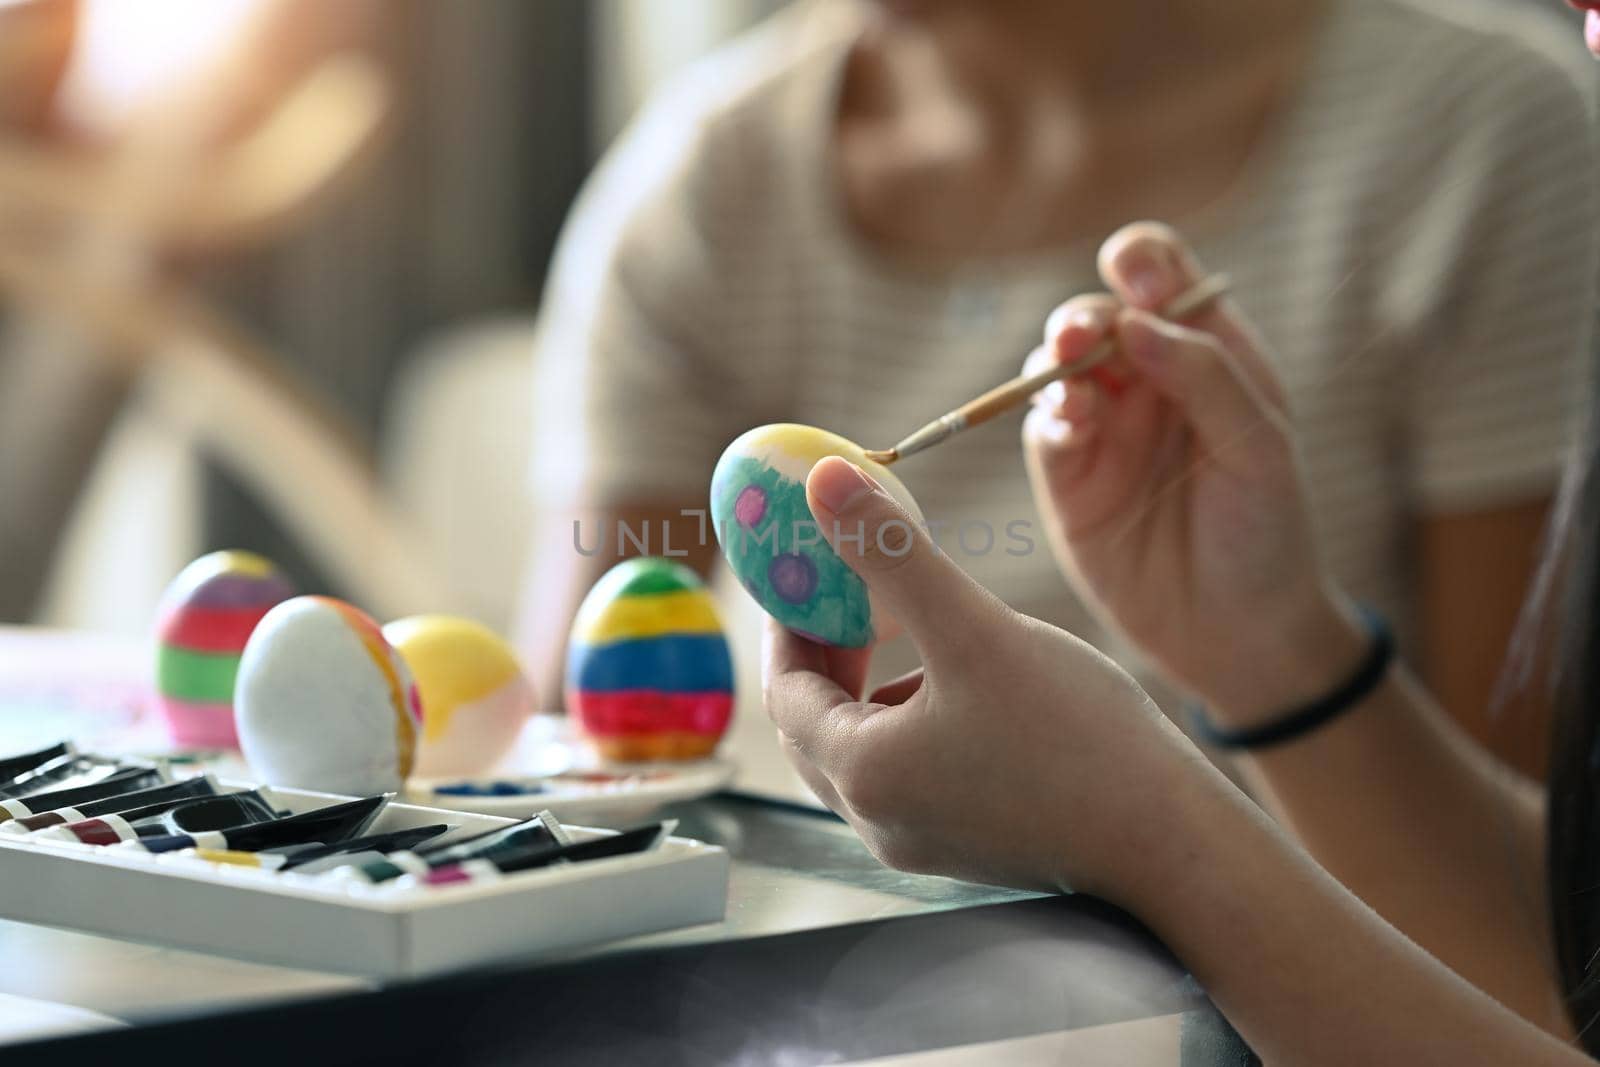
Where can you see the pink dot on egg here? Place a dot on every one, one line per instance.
(750, 506)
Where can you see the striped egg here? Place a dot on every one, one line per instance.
(771, 541)
(324, 702)
(649, 675)
(475, 698)
(207, 614)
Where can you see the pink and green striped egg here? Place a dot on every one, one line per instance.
(207, 615)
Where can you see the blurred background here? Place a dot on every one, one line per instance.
(389, 280)
(270, 274)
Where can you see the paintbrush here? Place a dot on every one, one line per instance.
(1003, 398)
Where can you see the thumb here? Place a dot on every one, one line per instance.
(1196, 373)
(921, 587)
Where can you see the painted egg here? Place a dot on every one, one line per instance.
(771, 540)
(324, 702)
(207, 614)
(649, 675)
(475, 697)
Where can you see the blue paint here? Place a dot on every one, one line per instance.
(671, 663)
(489, 789)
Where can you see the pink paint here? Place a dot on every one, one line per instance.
(199, 725)
(453, 875)
(750, 506)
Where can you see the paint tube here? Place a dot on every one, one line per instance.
(314, 858)
(179, 816)
(12, 766)
(123, 783)
(327, 826)
(489, 868)
(543, 819)
(393, 841)
(541, 829)
(64, 772)
(57, 814)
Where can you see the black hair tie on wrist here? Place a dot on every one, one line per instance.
(1304, 720)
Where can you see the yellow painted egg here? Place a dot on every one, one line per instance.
(770, 538)
(323, 702)
(475, 698)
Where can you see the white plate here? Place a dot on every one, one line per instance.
(628, 792)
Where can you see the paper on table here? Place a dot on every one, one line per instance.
(1153, 1042)
(26, 1019)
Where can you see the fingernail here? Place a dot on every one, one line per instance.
(1147, 276)
(838, 483)
(1093, 319)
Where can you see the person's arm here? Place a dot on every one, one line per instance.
(1467, 613)
(1494, 295)
(1399, 805)
(1178, 508)
(1021, 756)
(572, 552)
(1306, 971)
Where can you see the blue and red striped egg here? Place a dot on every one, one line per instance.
(649, 674)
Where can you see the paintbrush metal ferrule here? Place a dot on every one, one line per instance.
(940, 429)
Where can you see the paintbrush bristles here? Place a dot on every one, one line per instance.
(1003, 398)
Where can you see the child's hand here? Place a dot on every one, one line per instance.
(1175, 501)
(1018, 755)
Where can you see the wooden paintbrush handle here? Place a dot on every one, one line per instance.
(1003, 398)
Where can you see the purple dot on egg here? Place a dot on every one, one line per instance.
(793, 577)
(750, 506)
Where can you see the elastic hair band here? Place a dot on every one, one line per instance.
(1304, 720)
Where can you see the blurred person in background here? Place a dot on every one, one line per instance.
(856, 216)
(116, 128)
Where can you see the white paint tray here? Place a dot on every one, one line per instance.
(333, 925)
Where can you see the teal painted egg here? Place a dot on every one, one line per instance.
(771, 541)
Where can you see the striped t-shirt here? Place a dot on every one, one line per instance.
(1415, 239)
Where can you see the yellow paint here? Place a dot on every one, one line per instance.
(229, 856)
(235, 561)
(633, 617)
(405, 729)
(808, 444)
(455, 662)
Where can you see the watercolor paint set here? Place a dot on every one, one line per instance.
(359, 885)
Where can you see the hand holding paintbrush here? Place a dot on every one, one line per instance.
(1016, 392)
